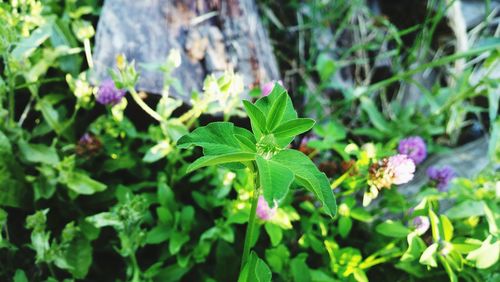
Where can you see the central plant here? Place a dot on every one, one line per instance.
(266, 154)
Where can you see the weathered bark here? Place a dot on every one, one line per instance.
(213, 36)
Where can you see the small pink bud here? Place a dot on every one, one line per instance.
(264, 212)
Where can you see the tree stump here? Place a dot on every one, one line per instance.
(213, 36)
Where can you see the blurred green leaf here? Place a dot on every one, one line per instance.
(391, 228)
(39, 153)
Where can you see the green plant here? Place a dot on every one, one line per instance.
(274, 124)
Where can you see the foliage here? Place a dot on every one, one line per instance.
(87, 188)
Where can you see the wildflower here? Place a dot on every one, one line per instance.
(398, 169)
(264, 212)
(268, 87)
(414, 147)
(88, 145)
(421, 224)
(441, 177)
(303, 144)
(402, 169)
(108, 94)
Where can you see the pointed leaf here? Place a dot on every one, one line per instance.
(221, 159)
(293, 127)
(308, 175)
(264, 104)
(245, 143)
(255, 270)
(216, 138)
(257, 118)
(79, 256)
(82, 184)
(429, 256)
(277, 111)
(447, 227)
(275, 179)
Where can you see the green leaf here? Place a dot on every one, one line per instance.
(79, 257)
(216, 138)
(38, 153)
(299, 268)
(465, 209)
(264, 104)
(257, 118)
(391, 228)
(20, 276)
(447, 267)
(82, 184)
(255, 270)
(345, 225)
(293, 127)
(361, 215)
(171, 273)
(158, 234)
(277, 258)
(307, 175)
(415, 247)
(221, 159)
(275, 233)
(177, 240)
(50, 115)
(157, 152)
(436, 230)
(490, 218)
(277, 111)
(447, 227)
(429, 256)
(376, 118)
(246, 143)
(486, 255)
(28, 45)
(275, 179)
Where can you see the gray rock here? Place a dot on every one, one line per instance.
(467, 160)
(213, 37)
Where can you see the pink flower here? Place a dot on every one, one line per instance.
(402, 169)
(268, 87)
(396, 169)
(264, 212)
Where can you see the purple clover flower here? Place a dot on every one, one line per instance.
(108, 94)
(400, 168)
(264, 212)
(268, 87)
(414, 147)
(421, 224)
(441, 176)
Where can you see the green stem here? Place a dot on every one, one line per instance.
(143, 105)
(251, 223)
(136, 276)
(420, 68)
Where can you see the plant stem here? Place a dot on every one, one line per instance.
(251, 222)
(88, 53)
(143, 105)
(136, 276)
